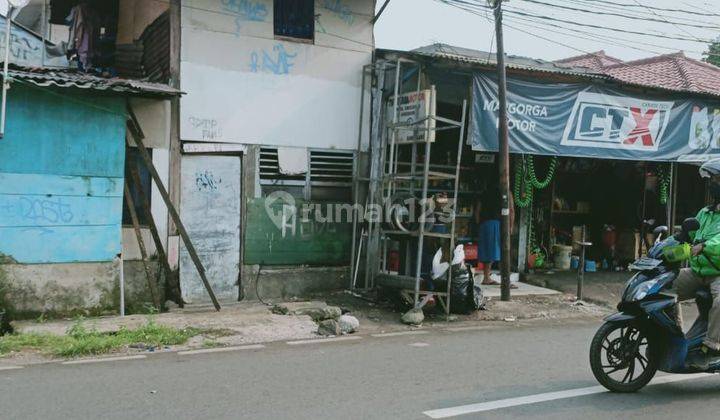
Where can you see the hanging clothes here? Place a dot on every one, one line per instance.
(83, 32)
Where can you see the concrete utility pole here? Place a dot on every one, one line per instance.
(504, 157)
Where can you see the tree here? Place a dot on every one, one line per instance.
(712, 55)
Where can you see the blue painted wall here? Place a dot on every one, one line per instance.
(61, 176)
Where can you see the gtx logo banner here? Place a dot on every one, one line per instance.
(616, 122)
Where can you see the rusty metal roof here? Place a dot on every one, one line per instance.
(488, 59)
(69, 79)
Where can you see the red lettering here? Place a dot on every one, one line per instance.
(642, 124)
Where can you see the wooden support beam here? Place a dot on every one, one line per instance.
(141, 244)
(136, 132)
(171, 281)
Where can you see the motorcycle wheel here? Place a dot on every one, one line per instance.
(621, 359)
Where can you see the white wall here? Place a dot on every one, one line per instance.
(245, 86)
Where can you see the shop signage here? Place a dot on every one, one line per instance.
(588, 120)
(413, 107)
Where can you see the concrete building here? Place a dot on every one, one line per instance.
(273, 93)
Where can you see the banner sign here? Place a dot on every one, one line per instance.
(585, 120)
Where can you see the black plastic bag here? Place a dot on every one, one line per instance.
(465, 295)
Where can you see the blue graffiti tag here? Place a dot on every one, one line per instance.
(245, 10)
(280, 64)
(340, 9)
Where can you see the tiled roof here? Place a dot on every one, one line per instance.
(595, 61)
(670, 71)
(69, 79)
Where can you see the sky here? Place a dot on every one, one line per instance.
(408, 24)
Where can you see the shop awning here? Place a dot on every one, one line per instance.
(585, 119)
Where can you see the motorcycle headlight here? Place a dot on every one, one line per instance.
(642, 290)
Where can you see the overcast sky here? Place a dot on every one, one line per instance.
(408, 24)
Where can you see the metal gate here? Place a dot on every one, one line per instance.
(210, 207)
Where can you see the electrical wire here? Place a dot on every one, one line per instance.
(661, 9)
(453, 4)
(574, 23)
(625, 16)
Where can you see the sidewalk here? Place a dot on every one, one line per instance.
(603, 288)
(247, 323)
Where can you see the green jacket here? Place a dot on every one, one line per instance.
(707, 264)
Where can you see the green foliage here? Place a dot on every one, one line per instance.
(712, 55)
(81, 341)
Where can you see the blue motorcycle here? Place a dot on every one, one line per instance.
(646, 336)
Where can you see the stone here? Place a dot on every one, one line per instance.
(348, 324)
(414, 316)
(329, 327)
(319, 314)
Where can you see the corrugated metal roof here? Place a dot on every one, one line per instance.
(68, 79)
(488, 59)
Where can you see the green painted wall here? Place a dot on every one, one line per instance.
(294, 242)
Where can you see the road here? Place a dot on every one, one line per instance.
(391, 377)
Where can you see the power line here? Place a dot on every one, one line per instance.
(625, 16)
(588, 25)
(455, 3)
(661, 9)
(632, 12)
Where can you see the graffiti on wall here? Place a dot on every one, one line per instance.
(245, 11)
(208, 127)
(207, 181)
(278, 61)
(340, 9)
(34, 210)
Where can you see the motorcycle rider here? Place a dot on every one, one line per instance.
(704, 271)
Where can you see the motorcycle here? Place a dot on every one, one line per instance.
(645, 335)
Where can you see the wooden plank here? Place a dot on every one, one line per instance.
(61, 244)
(44, 184)
(171, 207)
(141, 245)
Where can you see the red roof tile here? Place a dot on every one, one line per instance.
(595, 61)
(669, 71)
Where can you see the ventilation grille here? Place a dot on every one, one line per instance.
(270, 170)
(331, 167)
(327, 167)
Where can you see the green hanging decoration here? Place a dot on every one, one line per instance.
(526, 180)
(664, 176)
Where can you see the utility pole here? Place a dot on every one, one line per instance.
(504, 157)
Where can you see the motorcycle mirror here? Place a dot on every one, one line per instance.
(660, 229)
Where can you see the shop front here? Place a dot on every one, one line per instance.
(596, 161)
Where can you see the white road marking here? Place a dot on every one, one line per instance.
(475, 328)
(105, 359)
(400, 333)
(324, 340)
(221, 349)
(11, 367)
(538, 398)
(419, 345)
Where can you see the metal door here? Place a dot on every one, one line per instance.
(210, 209)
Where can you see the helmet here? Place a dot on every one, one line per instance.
(710, 169)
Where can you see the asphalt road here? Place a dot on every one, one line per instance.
(396, 377)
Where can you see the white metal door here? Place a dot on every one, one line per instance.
(210, 209)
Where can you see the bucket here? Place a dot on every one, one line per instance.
(562, 257)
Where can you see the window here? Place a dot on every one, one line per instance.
(294, 18)
(132, 157)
